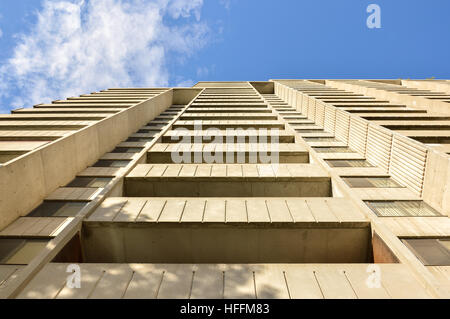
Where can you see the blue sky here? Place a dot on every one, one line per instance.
(180, 42)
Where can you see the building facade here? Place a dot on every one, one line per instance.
(278, 189)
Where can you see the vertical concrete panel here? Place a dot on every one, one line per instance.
(436, 189)
(21, 187)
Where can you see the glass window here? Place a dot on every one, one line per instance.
(127, 150)
(358, 182)
(58, 209)
(147, 131)
(156, 125)
(321, 139)
(348, 163)
(111, 163)
(139, 139)
(300, 130)
(431, 252)
(401, 208)
(383, 182)
(20, 251)
(371, 182)
(95, 182)
(335, 149)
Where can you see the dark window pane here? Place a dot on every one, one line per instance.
(95, 182)
(55, 209)
(359, 182)
(80, 182)
(20, 251)
(127, 150)
(320, 139)
(401, 208)
(371, 182)
(111, 163)
(338, 163)
(348, 163)
(139, 139)
(383, 182)
(333, 150)
(9, 247)
(429, 251)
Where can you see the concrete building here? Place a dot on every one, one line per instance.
(277, 189)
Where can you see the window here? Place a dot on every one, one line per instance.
(321, 139)
(94, 182)
(147, 131)
(371, 182)
(348, 163)
(57, 209)
(401, 208)
(111, 163)
(139, 139)
(20, 251)
(336, 149)
(431, 252)
(127, 150)
(308, 130)
(156, 125)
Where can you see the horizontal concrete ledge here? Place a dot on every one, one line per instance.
(230, 136)
(220, 110)
(229, 179)
(230, 171)
(237, 188)
(234, 157)
(290, 180)
(223, 125)
(227, 117)
(221, 225)
(230, 281)
(307, 212)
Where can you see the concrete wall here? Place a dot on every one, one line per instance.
(26, 181)
(434, 107)
(437, 86)
(428, 175)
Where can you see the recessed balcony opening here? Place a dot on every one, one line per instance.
(188, 230)
(226, 243)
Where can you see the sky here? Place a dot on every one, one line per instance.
(52, 49)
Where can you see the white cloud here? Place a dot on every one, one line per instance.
(183, 8)
(226, 3)
(185, 83)
(202, 72)
(77, 47)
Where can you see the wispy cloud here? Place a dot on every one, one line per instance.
(226, 3)
(80, 46)
(202, 72)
